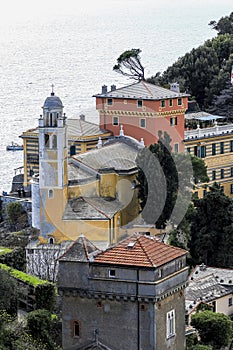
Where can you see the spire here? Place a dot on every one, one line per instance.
(121, 131)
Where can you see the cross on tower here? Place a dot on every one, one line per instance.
(52, 93)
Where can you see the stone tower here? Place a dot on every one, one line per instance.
(128, 297)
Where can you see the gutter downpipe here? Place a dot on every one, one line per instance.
(104, 112)
(138, 314)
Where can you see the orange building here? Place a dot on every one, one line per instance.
(144, 109)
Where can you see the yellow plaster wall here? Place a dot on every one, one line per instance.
(90, 189)
(108, 185)
(222, 305)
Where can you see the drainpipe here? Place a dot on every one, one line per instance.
(110, 231)
(104, 113)
(138, 311)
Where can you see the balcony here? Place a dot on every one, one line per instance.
(215, 130)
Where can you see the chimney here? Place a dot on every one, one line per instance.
(99, 144)
(175, 87)
(104, 89)
(202, 267)
(82, 117)
(113, 87)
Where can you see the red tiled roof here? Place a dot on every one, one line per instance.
(140, 250)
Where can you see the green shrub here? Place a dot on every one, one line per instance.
(14, 210)
(44, 327)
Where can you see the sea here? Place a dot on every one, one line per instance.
(74, 46)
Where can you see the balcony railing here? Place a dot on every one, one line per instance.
(208, 132)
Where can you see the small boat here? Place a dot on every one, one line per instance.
(14, 147)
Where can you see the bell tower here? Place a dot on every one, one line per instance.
(52, 165)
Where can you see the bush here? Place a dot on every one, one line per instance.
(44, 327)
(210, 326)
(14, 210)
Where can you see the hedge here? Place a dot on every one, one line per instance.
(44, 291)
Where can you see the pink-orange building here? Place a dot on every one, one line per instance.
(144, 109)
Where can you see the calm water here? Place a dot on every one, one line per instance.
(75, 49)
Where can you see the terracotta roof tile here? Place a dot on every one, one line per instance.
(140, 250)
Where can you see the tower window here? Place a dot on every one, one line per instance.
(109, 101)
(112, 273)
(75, 329)
(170, 323)
(179, 101)
(54, 141)
(162, 103)
(46, 140)
(170, 102)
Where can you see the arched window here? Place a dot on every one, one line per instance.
(46, 140)
(54, 141)
(51, 240)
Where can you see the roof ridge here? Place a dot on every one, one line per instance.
(85, 247)
(100, 211)
(144, 250)
(147, 88)
(81, 127)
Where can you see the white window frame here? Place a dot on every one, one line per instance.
(117, 121)
(111, 274)
(109, 101)
(141, 122)
(141, 102)
(173, 121)
(171, 324)
(176, 147)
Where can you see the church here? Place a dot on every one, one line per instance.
(91, 193)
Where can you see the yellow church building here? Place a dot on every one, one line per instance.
(90, 193)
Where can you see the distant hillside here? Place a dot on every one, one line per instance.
(205, 72)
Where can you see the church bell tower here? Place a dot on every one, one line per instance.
(52, 166)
